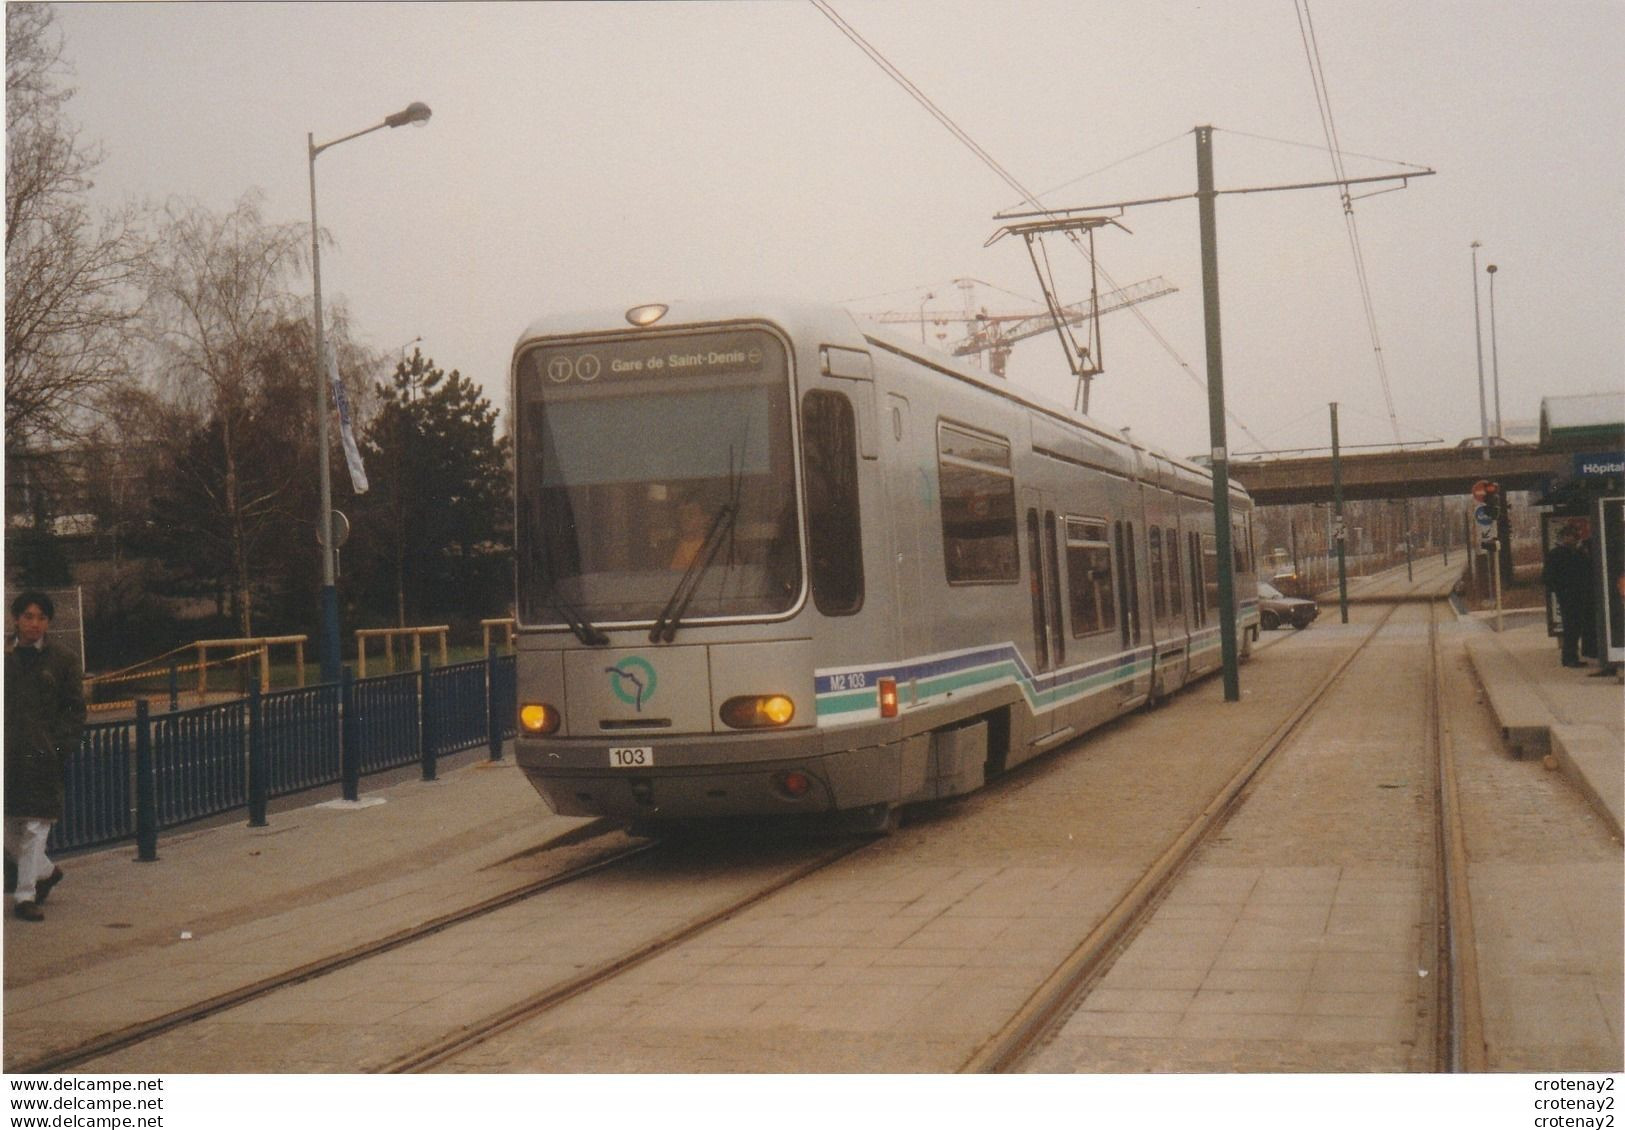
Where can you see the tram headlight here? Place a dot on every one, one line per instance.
(538, 718)
(647, 315)
(758, 711)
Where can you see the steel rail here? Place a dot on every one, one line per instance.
(1052, 1001)
(1462, 1047)
(469, 1036)
(200, 1010)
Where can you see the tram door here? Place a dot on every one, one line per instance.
(912, 490)
(1042, 533)
(1044, 581)
(1128, 585)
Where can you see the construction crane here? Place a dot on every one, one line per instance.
(995, 334)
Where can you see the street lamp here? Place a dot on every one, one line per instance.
(1495, 355)
(1478, 344)
(415, 114)
(923, 301)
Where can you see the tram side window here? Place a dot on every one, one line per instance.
(1133, 599)
(834, 534)
(1159, 587)
(1089, 577)
(1210, 571)
(1241, 542)
(1199, 605)
(978, 492)
(1052, 571)
(1035, 547)
(1176, 584)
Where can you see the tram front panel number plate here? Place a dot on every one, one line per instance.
(631, 757)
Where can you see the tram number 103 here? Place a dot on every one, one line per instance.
(631, 757)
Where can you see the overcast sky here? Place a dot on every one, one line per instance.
(603, 155)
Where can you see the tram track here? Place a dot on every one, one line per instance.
(472, 1033)
(1461, 1045)
(131, 1035)
(1456, 1018)
(471, 1036)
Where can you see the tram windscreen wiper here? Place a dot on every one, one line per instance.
(665, 629)
(584, 629)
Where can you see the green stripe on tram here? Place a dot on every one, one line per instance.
(993, 673)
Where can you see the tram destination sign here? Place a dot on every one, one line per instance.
(686, 356)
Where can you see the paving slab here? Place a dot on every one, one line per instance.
(223, 906)
(1574, 714)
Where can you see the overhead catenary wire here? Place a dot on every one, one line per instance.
(1317, 74)
(1318, 147)
(876, 56)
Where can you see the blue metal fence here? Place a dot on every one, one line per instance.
(200, 759)
(457, 702)
(300, 731)
(98, 778)
(387, 721)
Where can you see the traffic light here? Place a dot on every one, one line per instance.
(1494, 505)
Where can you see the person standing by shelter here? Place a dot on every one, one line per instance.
(45, 717)
(1567, 575)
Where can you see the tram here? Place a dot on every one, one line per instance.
(772, 561)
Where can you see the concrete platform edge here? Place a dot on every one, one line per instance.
(1588, 754)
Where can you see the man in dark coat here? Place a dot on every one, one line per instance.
(45, 716)
(1567, 574)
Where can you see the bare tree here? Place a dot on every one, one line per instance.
(216, 292)
(68, 298)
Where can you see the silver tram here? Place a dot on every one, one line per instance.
(772, 561)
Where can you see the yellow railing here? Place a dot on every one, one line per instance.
(238, 649)
(389, 635)
(260, 644)
(505, 623)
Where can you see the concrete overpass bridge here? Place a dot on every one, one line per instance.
(1400, 473)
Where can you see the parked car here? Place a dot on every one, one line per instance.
(1274, 609)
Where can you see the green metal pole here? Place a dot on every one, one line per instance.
(1205, 196)
(1405, 511)
(1339, 531)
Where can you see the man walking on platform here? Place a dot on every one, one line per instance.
(1567, 574)
(45, 717)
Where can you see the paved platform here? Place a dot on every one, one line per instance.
(124, 942)
(1575, 715)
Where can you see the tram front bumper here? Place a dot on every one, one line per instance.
(695, 779)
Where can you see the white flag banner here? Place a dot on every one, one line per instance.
(352, 453)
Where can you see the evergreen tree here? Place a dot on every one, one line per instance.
(434, 534)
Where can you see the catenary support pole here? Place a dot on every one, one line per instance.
(1339, 530)
(1205, 197)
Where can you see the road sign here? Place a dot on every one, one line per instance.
(1483, 517)
(341, 530)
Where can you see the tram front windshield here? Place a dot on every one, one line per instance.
(647, 460)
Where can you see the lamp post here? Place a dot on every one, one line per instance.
(1478, 344)
(1495, 354)
(923, 301)
(415, 114)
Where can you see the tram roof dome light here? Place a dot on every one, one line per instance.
(647, 315)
